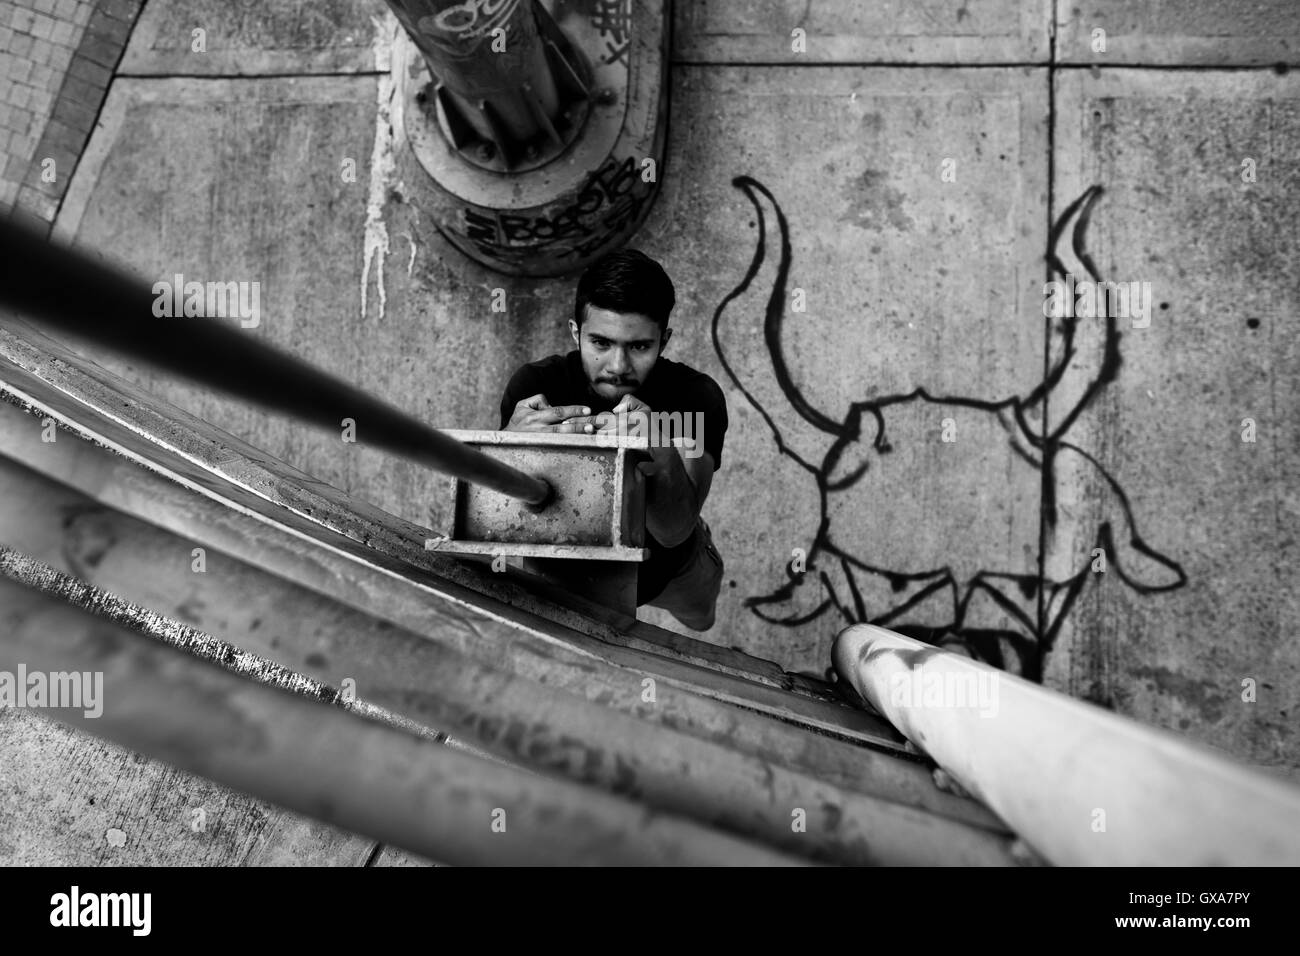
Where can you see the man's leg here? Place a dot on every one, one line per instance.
(692, 595)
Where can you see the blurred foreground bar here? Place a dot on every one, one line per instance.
(1083, 786)
(345, 770)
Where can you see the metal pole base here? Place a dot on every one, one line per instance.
(536, 217)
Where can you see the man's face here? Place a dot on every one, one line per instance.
(618, 350)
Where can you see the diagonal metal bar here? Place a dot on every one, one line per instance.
(67, 290)
(1082, 786)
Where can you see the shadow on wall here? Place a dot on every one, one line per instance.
(966, 598)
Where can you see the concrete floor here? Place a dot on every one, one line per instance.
(210, 166)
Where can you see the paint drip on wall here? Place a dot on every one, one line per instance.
(382, 167)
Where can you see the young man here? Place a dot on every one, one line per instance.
(617, 375)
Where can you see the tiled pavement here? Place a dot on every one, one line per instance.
(56, 62)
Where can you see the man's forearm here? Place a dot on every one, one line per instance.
(672, 507)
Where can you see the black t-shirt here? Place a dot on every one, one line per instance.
(670, 387)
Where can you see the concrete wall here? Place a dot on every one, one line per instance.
(911, 279)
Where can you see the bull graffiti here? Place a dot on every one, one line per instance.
(978, 599)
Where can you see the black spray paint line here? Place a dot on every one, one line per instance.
(1037, 633)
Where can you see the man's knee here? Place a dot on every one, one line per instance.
(692, 596)
(705, 621)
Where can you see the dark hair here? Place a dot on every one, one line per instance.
(626, 281)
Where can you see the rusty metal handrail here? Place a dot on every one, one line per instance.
(1081, 785)
(67, 290)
